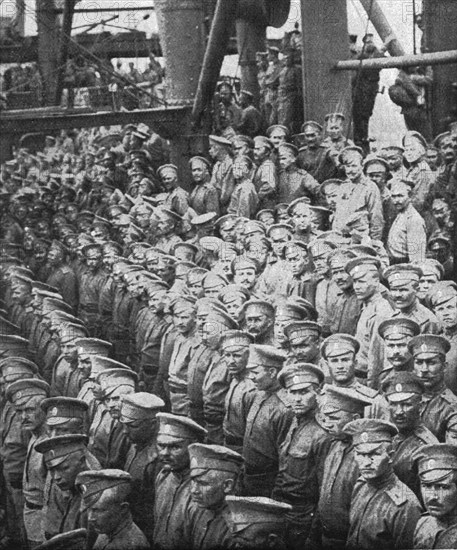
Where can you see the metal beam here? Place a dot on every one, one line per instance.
(166, 122)
(382, 26)
(434, 58)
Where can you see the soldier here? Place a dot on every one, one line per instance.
(258, 522)
(346, 310)
(62, 275)
(244, 200)
(292, 309)
(259, 320)
(432, 272)
(177, 199)
(438, 402)
(214, 473)
(396, 333)
(234, 349)
(251, 122)
(407, 239)
(384, 512)
(335, 140)
(302, 454)
(172, 486)
(359, 194)
(364, 272)
(403, 391)
(222, 175)
(138, 417)
(66, 363)
(393, 155)
(437, 465)
(261, 59)
(302, 339)
(167, 225)
(65, 457)
(26, 396)
(403, 281)
(446, 174)
(337, 407)
(294, 182)
(91, 282)
(443, 300)
(267, 423)
(290, 92)
(105, 499)
(204, 197)
(302, 282)
(272, 85)
(115, 383)
(265, 177)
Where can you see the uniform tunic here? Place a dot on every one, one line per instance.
(407, 238)
(238, 401)
(436, 410)
(346, 313)
(266, 182)
(177, 200)
(267, 425)
(33, 483)
(383, 515)
(64, 279)
(178, 372)
(119, 333)
(244, 200)
(316, 162)
(434, 532)
(127, 536)
(295, 183)
(301, 466)
(427, 320)
(200, 360)
(450, 375)
(204, 198)
(90, 287)
(215, 388)
(207, 529)
(339, 478)
(172, 500)
(222, 180)
(404, 445)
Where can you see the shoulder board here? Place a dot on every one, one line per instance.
(449, 397)
(425, 435)
(397, 494)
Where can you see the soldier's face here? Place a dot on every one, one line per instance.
(414, 150)
(332, 195)
(240, 148)
(267, 219)
(311, 137)
(378, 174)
(334, 421)
(257, 251)
(373, 460)
(440, 252)
(245, 277)
(20, 294)
(200, 318)
(433, 158)
(440, 497)
(365, 285)
(397, 353)
(405, 414)
(440, 211)
(199, 172)
(93, 259)
(104, 515)
(286, 159)
(425, 284)
(84, 365)
(227, 233)
(296, 260)
(213, 292)
(281, 320)
(67, 348)
(447, 150)
(447, 313)
(304, 349)
(393, 159)
(260, 152)
(209, 489)
(277, 137)
(429, 367)
(139, 431)
(236, 358)
(264, 378)
(64, 474)
(403, 295)
(31, 415)
(172, 451)
(55, 256)
(301, 217)
(279, 238)
(169, 179)
(400, 196)
(342, 368)
(114, 400)
(302, 400)
(353, 167)
(335, 130)
(155, 300)
(184, 320)
(234, 304)
(340, 276)
(321, 265)
(257, 322)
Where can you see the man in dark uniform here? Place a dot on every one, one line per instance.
(302, 455)
(105, 500)
(138, 416)
(437, 528)
(403, 391)
(222, 175)
(259, 321)
(265, 176)
(62, 275)
(312, 156)
(251, 120)
(294, 182)
(172, 488)
(271, 86)
(438, 402)
(384, 511)
(267, 423)
(214, 473)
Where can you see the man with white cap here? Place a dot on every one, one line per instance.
(437, 465)
(302, 455)
(138, 417)
(384, 511)
(438, 402)
(172, 486)
(214, 474)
